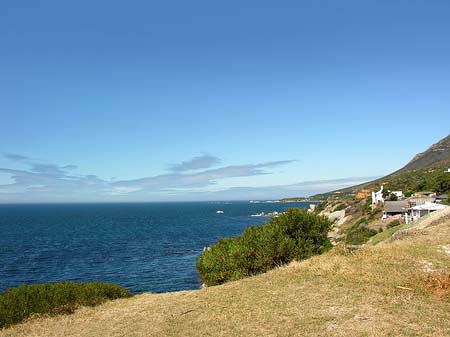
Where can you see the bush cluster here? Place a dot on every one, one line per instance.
(340, 207)
(393, 224)
(320, 207)
(19, 303)
(359, 234)
(420, 180)
(295, 235)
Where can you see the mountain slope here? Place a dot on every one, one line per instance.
(438, 153)
(437, 156)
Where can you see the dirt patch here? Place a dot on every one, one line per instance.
(440, 284)
(446, 249)
(427, 266)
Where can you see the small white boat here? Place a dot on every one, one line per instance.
(219, 212)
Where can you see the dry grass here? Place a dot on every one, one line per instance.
(440, 283)
(383, 290)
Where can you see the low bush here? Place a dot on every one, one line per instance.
(295, 235)
(320, 207)
(361, 221)
(340, 207)
(367, 207)
(19, 303)
(359, 234)
(393, 224)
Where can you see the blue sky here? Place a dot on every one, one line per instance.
(204, 100)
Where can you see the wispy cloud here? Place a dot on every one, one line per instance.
(50, 181)
(48, 169)
(200, 179)
(69, 167)
(189, 180)
(301, 189)
(15, 157)
(196, 163)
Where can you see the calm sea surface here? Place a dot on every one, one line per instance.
(141, 246)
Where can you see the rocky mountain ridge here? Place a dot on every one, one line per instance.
(436, 154)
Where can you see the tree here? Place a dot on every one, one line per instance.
(393, 197)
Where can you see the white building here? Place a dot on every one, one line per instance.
(378, 196)
(398, 194)
(424, 209)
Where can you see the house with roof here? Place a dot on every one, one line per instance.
(441, 197)
(424, 194)
(424, 209)
(411, 209)
(420, 200)
(393, 208)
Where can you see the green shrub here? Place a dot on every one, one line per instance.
(360, 221)
(393, 197)
(19, 303)
(393, 223)
(296, 234)
(340, 207)
(367, 208)
(358, 234)
(320, 206)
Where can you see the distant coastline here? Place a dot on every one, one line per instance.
(285, 200)
(298, 200)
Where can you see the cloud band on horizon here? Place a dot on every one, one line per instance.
(44, 181)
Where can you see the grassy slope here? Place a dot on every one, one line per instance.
(337, 294)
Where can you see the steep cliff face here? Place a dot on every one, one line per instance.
(438, 153)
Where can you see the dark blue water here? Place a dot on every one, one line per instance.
(141, 246)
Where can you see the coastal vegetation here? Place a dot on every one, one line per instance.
(359, 234)
(435, 179)
(398, 288)
(386, 233)
(363, 219)
(295, 235)
(422, 180)
(427, 171)
(19, 303)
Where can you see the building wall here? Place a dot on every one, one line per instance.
(378, 196)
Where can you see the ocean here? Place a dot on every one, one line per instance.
(144, 247)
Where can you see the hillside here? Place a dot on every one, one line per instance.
(436, 158)
(437, 154)
(398, 288)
